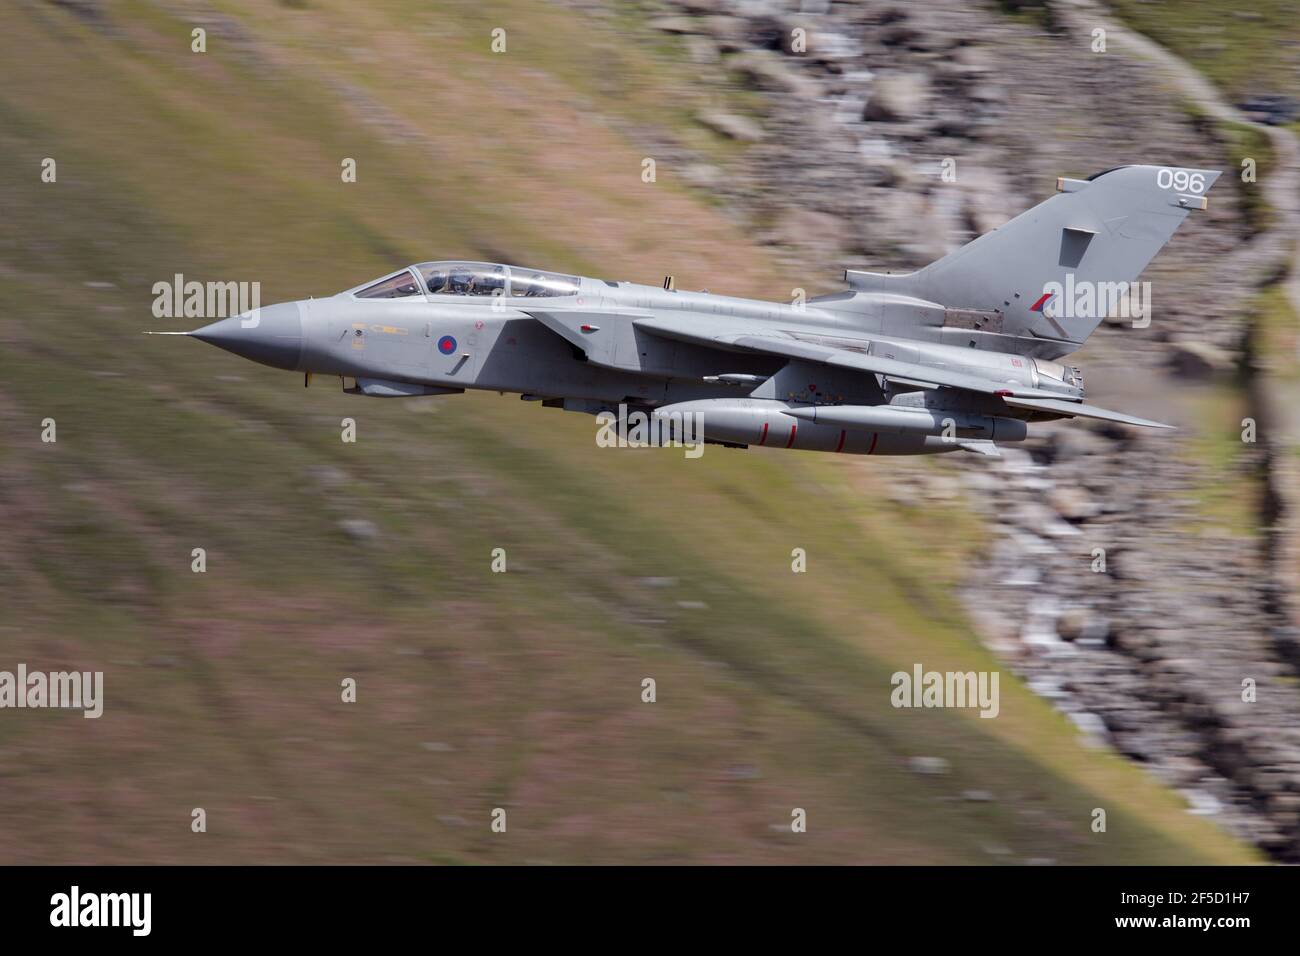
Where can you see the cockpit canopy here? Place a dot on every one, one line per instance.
(471, 279)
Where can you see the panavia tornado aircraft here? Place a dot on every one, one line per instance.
(955, 356)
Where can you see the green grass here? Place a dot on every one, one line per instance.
(1243, 143)
(1247, 50)
(1228, 494)
(1251, 143)
(476, 690)
(1278, 329)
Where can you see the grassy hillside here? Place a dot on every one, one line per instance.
(475, 690)
(1246, 49)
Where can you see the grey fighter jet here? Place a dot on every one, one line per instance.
(955, 356)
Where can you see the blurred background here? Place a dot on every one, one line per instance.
(778, 163)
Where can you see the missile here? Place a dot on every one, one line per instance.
(736, 378)
(921, 421)
(382, 388)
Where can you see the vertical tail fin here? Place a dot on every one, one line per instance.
(1058, 269)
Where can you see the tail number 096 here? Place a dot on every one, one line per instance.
(1182, 180)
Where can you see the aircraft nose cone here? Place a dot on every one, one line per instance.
(271, 335)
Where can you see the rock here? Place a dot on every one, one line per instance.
(1071, 442)
(771, 72)
(729, 32)
(1033, 515)
(831, 47)
(928, 766)
(1082, 625)
(939, 216)
(1276, 109)
(899, 33)
(1095, 632)
(703, 175)
(359, 529)
(1091, 725)
(676, 25)
(731, 125)
(702, 50)
(766, 32)
(901, 96)
(1071, 624)
(819, 232)
(327, 476)
(1201, 803)
(985, 197)
(1048, 687)
(955, 126)
(1194, 359)
(974, 59)
(1285, 803)
(1072, 503)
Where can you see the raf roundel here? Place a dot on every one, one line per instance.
(446, 345)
